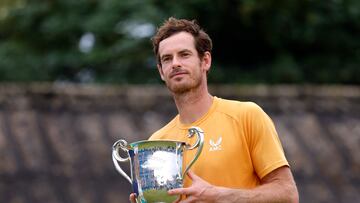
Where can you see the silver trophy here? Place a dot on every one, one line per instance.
(156, 166)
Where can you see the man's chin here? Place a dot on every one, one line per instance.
(179, 88)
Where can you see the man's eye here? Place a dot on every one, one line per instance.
(165, 59)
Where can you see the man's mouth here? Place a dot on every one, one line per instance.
(177, 73)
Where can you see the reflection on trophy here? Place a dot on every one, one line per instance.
(156, 165)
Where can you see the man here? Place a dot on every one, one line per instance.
(242, 159)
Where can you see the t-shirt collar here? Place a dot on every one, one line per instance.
(201, 119)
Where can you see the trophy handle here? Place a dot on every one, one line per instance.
(199, 144)
(120, 144)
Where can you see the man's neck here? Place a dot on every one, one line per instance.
(193, 105)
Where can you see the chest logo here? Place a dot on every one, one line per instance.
(215, 146)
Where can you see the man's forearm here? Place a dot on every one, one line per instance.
(271, 192)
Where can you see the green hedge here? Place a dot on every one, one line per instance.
(255, 41)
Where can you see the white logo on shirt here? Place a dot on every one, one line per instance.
(215, 146)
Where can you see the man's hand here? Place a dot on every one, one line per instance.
(200, 191)
(132, 198)
(277, 186)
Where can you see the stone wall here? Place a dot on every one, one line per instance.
(55, 140)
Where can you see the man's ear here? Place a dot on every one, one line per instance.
(206, 60)
(161, 72)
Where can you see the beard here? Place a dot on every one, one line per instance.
(185, 84)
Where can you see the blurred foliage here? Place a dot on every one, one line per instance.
(108, 41)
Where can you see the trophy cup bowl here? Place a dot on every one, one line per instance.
(156, 166)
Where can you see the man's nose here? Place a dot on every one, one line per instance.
(176, 62)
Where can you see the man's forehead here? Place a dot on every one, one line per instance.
(177, 42)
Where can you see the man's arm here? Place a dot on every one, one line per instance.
(277, 186)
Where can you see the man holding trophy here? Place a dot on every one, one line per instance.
(242, 159)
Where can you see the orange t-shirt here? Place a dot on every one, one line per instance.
(241, 144)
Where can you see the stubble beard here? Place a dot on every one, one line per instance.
(181, 87)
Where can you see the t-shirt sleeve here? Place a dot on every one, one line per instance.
(264, 144)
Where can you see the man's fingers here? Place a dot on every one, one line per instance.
(177, 200)
(180, 191)
(189, 199)
(192, 175)
(132, 198)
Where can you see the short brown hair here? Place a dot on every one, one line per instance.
(173, 26)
